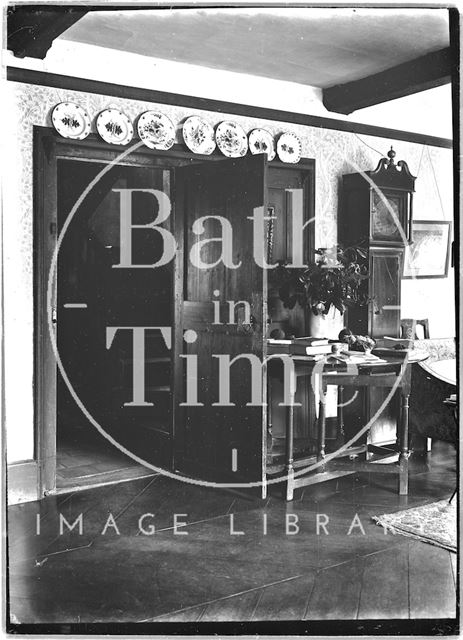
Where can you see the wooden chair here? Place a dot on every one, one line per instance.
(406, 328)
(431, 385)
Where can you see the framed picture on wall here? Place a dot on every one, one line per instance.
(428, 254)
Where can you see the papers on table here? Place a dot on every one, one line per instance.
(318, 352)
(300, 347)
(393, 343)
(360, 357)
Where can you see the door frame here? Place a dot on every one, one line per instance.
(48, 148)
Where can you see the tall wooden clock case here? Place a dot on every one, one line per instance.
(377, 210)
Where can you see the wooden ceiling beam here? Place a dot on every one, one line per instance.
(426, 72)
(31, 29)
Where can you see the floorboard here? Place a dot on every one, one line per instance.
(432, 587)
(239, 608)
(336, 592)
(193, 614)
(384, 591)
(286, 600)
(94, 507)
(89, 459)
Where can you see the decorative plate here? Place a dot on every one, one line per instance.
(71, 121)
(114, 126)
(198, 135)
(156, 130)
(231, 139)
(289, 148)
(261, 141)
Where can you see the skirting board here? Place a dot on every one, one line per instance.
(22, 482)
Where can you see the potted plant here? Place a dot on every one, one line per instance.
(335, 280)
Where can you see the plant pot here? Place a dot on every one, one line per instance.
(325, 325)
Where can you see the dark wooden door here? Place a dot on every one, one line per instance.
(215, 442)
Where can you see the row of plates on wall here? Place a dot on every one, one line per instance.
(157, 131)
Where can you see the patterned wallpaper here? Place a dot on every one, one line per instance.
(335, 153)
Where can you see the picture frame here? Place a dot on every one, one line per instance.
(428, 254)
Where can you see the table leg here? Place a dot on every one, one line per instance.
(321, 425)
(290, 439)
(340, 435)
(404, 453)
(269, 417)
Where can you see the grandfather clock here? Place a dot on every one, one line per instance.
(377, 213)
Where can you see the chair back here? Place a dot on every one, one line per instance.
(406, 328)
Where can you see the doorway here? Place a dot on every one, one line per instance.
(97, 303)
(94, 296)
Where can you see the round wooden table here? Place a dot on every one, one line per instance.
(445, 370)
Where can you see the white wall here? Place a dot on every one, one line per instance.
(433, 298)
(412, 113)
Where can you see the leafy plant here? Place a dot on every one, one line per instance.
(337, 277)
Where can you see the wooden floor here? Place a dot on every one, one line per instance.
(83, 464)
(210, 575)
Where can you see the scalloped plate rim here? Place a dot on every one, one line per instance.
(271, 156)
(244, 148)
(124, 117)
(146, 141)
(85, 117)
(210, 130)
(294, 136)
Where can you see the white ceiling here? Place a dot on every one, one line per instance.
(317, 47)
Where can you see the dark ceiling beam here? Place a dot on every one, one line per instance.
(32, 29)
(426, 72)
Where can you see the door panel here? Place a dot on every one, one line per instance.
(207, 435)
